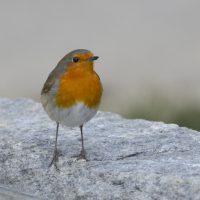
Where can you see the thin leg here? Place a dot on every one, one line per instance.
(82, 153)
(55, 154)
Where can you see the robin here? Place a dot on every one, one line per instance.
(72, 93)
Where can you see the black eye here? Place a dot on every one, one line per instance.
(75, 59)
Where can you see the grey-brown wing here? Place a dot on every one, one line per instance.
(54, 75)
(48, 84)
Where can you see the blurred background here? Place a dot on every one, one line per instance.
(149, 52)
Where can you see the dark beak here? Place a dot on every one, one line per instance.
(94, 58)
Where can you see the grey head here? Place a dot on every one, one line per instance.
(60, 68)
(68, 58)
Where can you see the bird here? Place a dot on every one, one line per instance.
(72, 94)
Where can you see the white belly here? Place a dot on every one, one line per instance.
(77, 115)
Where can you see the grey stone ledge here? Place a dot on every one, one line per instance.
(127, 159)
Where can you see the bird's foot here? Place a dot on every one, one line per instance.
(54, 160)
(81, 156)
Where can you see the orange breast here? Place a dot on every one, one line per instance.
(79, 85)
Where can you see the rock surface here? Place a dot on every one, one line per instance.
(127, 159)
(9, 194)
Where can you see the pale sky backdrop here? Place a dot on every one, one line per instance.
(145, 46)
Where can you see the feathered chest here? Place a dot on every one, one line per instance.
(78, 86)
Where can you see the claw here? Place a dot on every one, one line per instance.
(82, 156)
(54, 160)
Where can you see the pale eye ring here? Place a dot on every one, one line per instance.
(75, 59)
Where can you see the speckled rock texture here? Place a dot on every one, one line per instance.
(127, 159)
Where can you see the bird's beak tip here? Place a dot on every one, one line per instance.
(94, 58)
